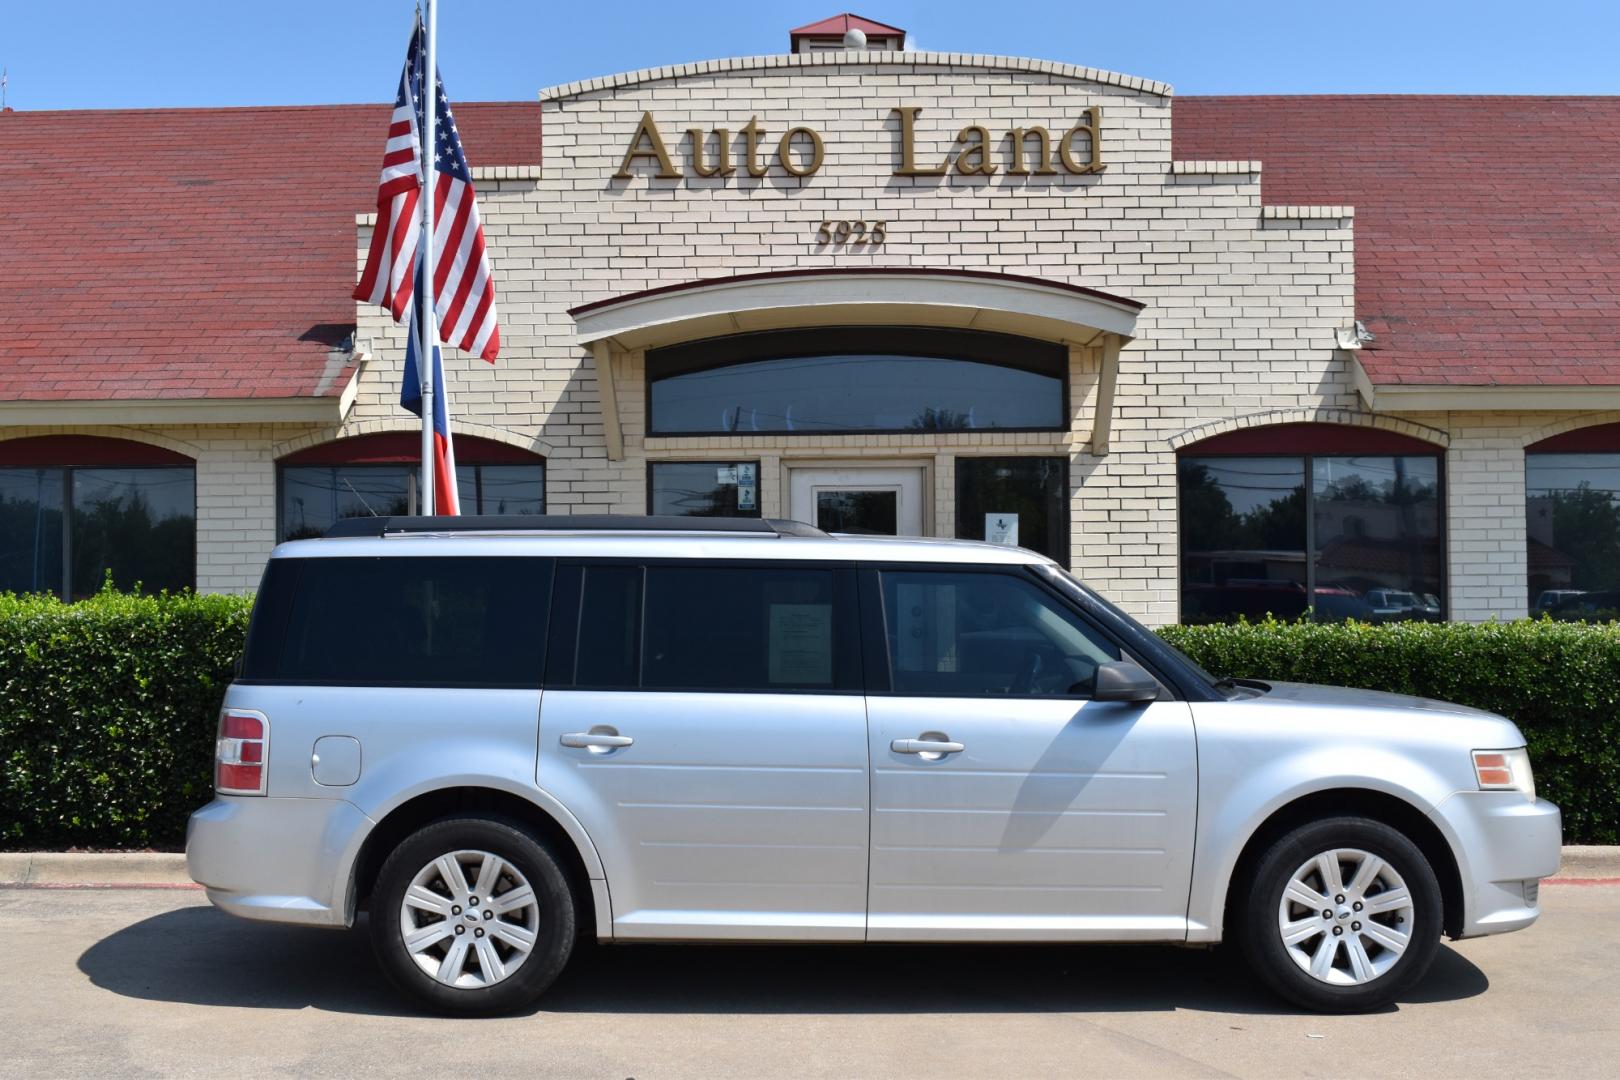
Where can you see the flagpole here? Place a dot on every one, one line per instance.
(425, 303)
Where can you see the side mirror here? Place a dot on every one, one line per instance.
(1121, 680)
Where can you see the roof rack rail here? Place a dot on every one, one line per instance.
(394, 526)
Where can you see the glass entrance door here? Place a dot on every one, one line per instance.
(869, 501)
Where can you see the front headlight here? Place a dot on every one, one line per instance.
(1504, 770)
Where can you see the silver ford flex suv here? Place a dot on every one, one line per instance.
(497, 735)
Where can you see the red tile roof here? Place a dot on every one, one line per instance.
(1487, 229)
(210, 253)
(190, 253)
(839, 24)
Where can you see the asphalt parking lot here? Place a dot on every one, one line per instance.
(132, 982)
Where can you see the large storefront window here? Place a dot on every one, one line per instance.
(857, 379)
(703, 488)
(130, 513)
(1339, 535)
(376, 476)
(1022, 501)
(1572, 524)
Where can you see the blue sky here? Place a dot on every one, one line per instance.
(241, 52)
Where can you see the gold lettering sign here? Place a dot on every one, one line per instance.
(800, 151)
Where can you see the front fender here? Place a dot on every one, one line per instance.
(1237, 797)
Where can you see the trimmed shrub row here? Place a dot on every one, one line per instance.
(1559, 681)
(108, 710)
(108, 706)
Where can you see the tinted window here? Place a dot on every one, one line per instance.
(976, 635)
(704, 488)
(137, 524)
(745, 628)
(401, 622)
(857, 379)
(1374, 551)
(1025, 499)
(313, 497)
(1572, 508)
(609, 628)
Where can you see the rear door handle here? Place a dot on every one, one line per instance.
(925, 746)
(590, 740)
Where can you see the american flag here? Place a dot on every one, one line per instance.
(464, 295)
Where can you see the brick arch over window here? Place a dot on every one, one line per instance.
(1579, 436)
(405, 448)
(1428, 440)
(1308, 438)
(86, 450)
(465, 433)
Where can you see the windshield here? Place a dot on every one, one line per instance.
(1072, 585)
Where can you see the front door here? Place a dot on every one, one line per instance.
(1042, 815)
(867, 500)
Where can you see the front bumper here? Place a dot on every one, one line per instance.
(1504, 844)
(280, 860)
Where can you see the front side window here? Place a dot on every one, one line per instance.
(1572, 524)
(436, 621)
(313, 497)
(1342, 536)
(986, 635)
(704, 488)
(137, 524)
(855, 379)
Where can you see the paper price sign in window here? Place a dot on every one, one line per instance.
(1001, 529)
(725, 475)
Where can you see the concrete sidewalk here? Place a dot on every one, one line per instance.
(154, 868)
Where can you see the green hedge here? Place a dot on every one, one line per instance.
(1560, 682)
(108, 706)
(107, 715)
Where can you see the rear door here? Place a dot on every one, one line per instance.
(706, 724)
(1006, 805)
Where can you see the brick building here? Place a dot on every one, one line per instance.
(1219, 355)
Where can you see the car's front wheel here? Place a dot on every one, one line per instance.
(472, 916)
(1340, 915)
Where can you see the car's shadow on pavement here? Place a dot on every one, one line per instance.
(200, 956)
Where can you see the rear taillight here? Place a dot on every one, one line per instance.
(239, 755)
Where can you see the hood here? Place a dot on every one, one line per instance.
(1352, 698)
(1388, 715)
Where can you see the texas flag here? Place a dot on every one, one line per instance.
(445, 498)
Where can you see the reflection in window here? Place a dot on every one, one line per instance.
(855, 379)
(1028, 496)
(704, 488)
(138, 524)
(1572, 521)
(1343, 536)
(313, 497)
(977, 635)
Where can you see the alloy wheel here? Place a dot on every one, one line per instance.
(469, 919)
(1346, 917)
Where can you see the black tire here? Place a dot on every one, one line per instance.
(554, 938)
(1259, 899)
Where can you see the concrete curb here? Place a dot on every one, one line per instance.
(93, 868)
(1580, 861)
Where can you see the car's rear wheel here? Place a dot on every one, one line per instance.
(472, 916)
(1340, 915)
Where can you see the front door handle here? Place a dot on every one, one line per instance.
(926, 746)
(593, 740)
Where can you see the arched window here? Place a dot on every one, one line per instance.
(840, 380)
(1572, 523)
(76, 508)
(376, 475)
(1341, 521)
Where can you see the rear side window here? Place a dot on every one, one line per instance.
(475, 622)
(718, 628)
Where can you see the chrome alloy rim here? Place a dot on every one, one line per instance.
(1345, 917)
(469, 919)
